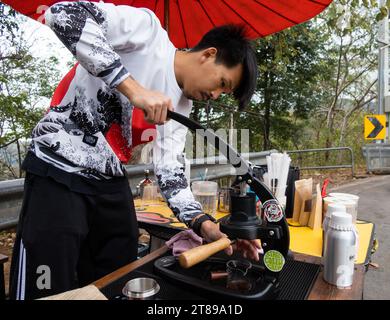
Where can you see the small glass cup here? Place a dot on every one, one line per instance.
(237, 271)
(205, 192)
(150, 195)
(138, 206)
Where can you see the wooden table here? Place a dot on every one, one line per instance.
(320, 291)
(324, 291)
(159, 221)
(162, 223)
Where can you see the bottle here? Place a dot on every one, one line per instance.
(340, 250)
(332, 207)
(144, 182)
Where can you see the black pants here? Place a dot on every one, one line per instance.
(66, 239)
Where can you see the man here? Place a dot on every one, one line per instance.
(78, 222)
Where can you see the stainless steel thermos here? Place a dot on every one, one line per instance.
(332, 207)
(340, 250)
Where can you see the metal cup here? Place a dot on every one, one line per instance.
(141, 289)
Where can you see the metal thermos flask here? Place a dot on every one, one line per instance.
(340, 250)
(332, 207)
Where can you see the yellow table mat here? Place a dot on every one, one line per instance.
(302, 239)
(308, 241)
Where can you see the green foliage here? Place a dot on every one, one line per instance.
(315, 82)
(26, 84)
(8, 24)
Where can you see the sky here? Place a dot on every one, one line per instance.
(45, 43)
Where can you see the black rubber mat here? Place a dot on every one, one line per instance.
(296, 281)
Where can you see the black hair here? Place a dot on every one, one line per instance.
(233, 48)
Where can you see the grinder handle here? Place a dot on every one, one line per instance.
(195, 255)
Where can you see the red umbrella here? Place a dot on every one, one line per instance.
(187, 20)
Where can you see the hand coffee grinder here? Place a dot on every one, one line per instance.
(243, 223)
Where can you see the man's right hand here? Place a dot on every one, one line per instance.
(154, 104)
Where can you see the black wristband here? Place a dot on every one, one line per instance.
(198, 223)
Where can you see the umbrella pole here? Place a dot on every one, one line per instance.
(166, 16)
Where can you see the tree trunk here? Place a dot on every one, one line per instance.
(267, 124)
(267, 111)
(331, 111)
(19, 159)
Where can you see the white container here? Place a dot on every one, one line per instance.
(340, 250)
(350, 205)
(348, 197)
(332, 207)
(344, 196)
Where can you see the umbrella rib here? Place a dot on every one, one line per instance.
(182, 23)
(320, 3)
(280, 15)
(205, 12)
(246, 22)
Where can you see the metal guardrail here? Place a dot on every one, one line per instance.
(377, 157)
(11, 191)
(352, 165)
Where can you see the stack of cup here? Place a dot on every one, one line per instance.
(347, 197)
(350, 205)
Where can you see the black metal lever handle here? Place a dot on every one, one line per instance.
(224, 148)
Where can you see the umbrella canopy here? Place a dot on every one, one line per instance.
(188, 20)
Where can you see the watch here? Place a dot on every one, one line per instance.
(198, 222)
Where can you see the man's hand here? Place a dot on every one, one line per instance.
(154, 104)
(249, 248)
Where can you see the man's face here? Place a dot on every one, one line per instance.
(208, 80)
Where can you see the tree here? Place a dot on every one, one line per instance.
(26, 84)
(289, 67)
(351, 59)
(288, 72)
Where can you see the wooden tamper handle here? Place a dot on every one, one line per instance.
(195, 255)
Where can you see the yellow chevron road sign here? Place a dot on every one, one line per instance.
(375, 127)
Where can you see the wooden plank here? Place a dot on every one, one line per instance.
(321, 290)
(106, 280)
(324, 291)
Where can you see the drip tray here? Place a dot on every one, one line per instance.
(295, 280)
(198, 277)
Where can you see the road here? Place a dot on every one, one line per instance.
(374, 206)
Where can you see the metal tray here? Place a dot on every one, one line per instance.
(198, 278)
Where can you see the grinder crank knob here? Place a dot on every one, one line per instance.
(198, 254)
